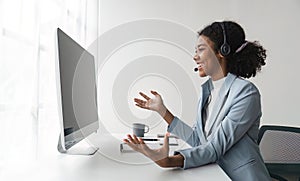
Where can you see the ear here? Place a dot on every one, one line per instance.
(220, 57)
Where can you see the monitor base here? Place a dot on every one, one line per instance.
(79, 149)
(76, 150)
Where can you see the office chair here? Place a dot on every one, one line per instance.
(280, 149)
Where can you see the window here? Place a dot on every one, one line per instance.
(28, 101)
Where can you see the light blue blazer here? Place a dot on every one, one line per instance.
(232, 143)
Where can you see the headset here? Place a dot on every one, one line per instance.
(225, 48)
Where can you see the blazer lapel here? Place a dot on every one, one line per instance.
(206, 89)
(220, 102)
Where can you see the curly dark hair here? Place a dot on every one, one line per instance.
(245, 63)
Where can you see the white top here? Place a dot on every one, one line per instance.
(214, 96)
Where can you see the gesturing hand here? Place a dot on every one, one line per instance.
(154, 104)
(158, 155)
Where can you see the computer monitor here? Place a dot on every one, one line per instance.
(77, 94)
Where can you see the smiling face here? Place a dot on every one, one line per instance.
(210, 63)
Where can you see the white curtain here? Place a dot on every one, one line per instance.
(29, 125)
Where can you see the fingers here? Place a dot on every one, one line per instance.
(139, 101)
(142, 141)
(147, 104)
(143, 106)
(166, 139)
(145, 96)
(125, 140)
(137, 141)
(133, 139)
(154, 93)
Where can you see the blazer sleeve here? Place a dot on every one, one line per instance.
(184, 132)
(244, 111)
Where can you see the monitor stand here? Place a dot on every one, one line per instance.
(79, 149)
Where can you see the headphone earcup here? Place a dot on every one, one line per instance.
(225, 49)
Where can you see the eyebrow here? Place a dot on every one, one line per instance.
(199, 45)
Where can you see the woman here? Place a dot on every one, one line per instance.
(229, 108)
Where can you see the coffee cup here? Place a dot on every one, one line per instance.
(140, 129)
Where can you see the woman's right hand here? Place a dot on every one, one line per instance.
(158, 155)
(154, 104)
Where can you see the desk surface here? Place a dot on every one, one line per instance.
(107, 164)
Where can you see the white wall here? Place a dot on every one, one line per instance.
(274, 23)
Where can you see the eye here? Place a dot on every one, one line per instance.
(199, 50)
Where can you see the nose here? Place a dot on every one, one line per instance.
(196, 57)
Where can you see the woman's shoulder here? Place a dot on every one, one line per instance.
(240, 84)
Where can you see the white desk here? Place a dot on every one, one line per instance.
(107, 164)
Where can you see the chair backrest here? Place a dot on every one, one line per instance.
(279, 144)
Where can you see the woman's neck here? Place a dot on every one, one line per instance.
(222, 71)
(218, 76)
